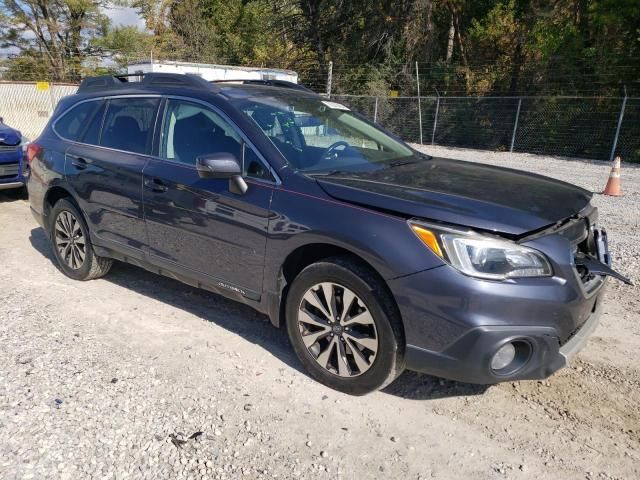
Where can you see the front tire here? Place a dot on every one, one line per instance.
(72, 245)
(344, 326)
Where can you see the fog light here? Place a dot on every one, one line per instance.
(503, 357)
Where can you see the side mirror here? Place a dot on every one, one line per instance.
(218, 165)
(222, 165)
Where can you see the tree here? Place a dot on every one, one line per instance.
(27, 66)
(122, 45)
(58, 30)
(465, 46)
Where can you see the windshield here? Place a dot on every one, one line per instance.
(319, 136)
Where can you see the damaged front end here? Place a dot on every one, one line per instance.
(590, 255)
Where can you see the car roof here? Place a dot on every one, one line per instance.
(160, 83)
(240, 91)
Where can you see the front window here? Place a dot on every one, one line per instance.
(319, 136)
(191, 130)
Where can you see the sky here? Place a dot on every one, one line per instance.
(124, 16)
(118, 16)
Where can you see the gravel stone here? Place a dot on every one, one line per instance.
(68, 341)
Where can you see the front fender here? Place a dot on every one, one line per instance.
(384, 241)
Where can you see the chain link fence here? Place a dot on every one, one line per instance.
(27, 108)
(585, 127)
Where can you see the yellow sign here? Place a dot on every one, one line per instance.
(42, 86)
(393, 93)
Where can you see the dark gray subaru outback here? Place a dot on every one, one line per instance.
(374, 256)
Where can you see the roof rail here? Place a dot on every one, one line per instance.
(151, 79)
(268, 83)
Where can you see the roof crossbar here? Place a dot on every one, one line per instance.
(151, 79)
(268, 83)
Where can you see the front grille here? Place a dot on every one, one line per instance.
(586, 247)
(9, 148)
(581, 236)
(9, 170)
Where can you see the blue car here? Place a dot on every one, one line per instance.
(11, 155)
(375, 257)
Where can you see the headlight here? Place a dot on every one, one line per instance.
(483, 256)
(24, 143)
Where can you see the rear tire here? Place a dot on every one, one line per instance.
(344, 326)
(72, 245)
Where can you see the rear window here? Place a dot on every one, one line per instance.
(129, 123)
(72, 124)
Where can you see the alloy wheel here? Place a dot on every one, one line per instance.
(338, 329)
(70, 240)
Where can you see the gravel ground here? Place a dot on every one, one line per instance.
(138, 376)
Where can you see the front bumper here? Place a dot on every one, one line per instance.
(454, 324)
(11, 171)
(468, 359)
(11, 185)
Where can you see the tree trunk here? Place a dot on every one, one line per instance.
(311, 10)
(582, 20)
(452, 35)
(515, 69)
(429, 32)
(463, 52)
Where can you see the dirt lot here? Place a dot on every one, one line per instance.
(110, 378)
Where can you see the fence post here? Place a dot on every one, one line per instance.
(515, 125)
(52, 98)
(419, 103)
(375, 111)
(435, 121)
(620, 117)
(329, 79)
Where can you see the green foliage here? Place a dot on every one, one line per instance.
(28, 66)
(122, 45)
(464, 47)
(60, 30)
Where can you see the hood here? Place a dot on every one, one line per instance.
(9, 136)
(462, 193)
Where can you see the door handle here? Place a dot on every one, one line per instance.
(155, 185)
(80, 163)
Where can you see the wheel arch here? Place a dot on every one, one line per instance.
(307, 254)
(55, 194)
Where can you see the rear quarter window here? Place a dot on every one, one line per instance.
(72, 124)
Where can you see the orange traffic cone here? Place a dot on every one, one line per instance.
(613, 185)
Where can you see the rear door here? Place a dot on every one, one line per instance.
(196, 226)
(105, 170)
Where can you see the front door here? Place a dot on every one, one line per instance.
(197, 226)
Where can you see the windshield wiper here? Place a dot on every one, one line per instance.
(401, 163)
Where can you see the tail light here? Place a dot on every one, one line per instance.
(33, 150)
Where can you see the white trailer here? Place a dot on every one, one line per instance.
(213, 72)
